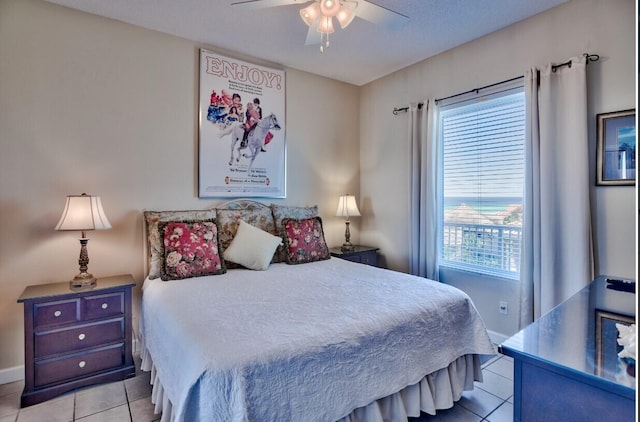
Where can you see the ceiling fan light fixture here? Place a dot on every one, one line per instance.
(330, 7)
(345, 16)
(310, 13)
(318, 15)
(325, 26)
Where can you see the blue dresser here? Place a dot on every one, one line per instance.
(566, 366)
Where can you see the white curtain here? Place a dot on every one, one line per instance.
(557, 249)
(423, 191)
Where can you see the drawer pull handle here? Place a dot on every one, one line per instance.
(81, 336)
(57, 314)
(82, 364)
(105, 305)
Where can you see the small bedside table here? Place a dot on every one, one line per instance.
(75, 338)
(362, 254)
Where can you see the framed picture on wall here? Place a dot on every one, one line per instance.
(616, 148)
(242, 151)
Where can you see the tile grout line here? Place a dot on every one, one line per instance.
(126, 395)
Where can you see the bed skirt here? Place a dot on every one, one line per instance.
(438, 390)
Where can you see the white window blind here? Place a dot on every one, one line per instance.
(482, 144)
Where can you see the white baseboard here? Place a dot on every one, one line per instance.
(8, 375)
(497, 338)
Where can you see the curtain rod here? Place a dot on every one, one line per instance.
(397, 110)
(589, 57)
(477, 90)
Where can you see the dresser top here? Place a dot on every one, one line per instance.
(580, 334)
(51, 290)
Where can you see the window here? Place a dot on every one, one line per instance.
(482, 144)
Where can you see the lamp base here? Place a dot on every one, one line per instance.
(83, 281)
(346, 247)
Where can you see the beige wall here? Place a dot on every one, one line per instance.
(93, 105)
(604, 27)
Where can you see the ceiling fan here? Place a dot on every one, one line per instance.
(319, 14)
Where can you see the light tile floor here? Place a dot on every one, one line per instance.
(490, 400)
(129, 400)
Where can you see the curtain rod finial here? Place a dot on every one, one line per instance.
(591, 57)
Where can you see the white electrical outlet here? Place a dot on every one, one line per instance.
(504, 308)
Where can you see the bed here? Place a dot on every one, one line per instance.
(324, 340)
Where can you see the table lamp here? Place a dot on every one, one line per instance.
(347, 207)
(83, 212)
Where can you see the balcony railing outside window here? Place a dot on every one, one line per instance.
(488, 249)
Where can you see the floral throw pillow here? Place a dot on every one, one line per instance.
(304, 240)
(280, 212)
(190, 249)
(153, 219)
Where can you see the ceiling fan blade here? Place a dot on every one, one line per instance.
(313, 36)
(380, 15)
(263, 4)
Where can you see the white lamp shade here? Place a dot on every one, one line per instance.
(345, 16)
(310, 13)
(83, 212)
(347, 207)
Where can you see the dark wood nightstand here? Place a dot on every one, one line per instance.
(75, 338)
(362, 254)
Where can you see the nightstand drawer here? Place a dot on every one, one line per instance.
(369, 258)
(64, 369)
(78, 338)
(360, 254)
(56, 313)
(102, 306)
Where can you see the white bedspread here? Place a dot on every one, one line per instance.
(305, 342)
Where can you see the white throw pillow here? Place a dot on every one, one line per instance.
(251, 247)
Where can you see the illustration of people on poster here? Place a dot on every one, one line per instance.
(242, 129)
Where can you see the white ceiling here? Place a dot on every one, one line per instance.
(358, 54)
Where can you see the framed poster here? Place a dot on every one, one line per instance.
(242, 149)
(616, 148)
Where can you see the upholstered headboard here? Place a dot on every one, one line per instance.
(241, 204)
(150, 217)
(227, 216)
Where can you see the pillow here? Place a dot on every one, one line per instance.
(251, 247)
(189, 249)
(304, 240)
(153, 218)
(285, 211)
(229, 219)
